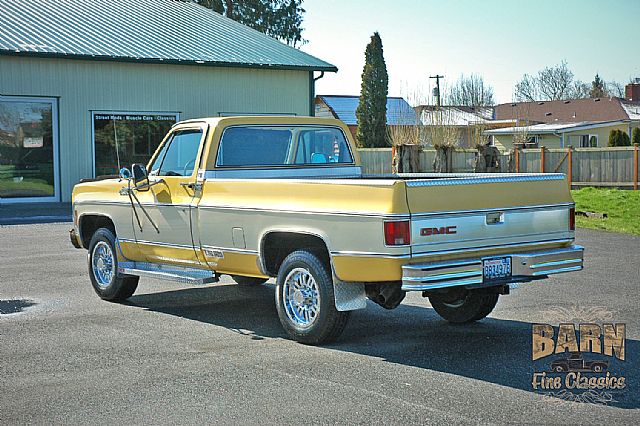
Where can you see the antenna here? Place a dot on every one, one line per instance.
(115, 136)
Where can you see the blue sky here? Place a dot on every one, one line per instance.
(498, 39)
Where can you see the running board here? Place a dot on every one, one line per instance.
(168, 272)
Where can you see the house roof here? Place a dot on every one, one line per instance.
(455, 115)
(156, 31)
(551, 128)
(567, 111)
(399, 112)
(631, 108)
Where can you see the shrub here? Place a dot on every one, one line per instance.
(636, 136)
(619, 138)
(624, 139)
(614, 136)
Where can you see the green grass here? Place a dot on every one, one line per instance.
(621, 206)
(26, 188)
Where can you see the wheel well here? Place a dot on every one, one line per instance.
(276, 246)
(89, 224)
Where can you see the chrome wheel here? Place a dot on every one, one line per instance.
(103, 265)
(301, 297)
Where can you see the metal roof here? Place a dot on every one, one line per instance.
(157, 31)
(455, 115)
(399, 112)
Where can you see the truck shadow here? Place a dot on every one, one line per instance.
(492, 350)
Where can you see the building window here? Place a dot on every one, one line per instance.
(588, 141)
(121, 139)
(28, 149)
(532, 142)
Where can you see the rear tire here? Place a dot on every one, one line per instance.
(103, 269)
(248, 281)
(463, 307)
(305, 300)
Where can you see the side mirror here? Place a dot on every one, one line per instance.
(124, 173)
(140, 177)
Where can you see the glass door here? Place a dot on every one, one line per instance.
(28, 149)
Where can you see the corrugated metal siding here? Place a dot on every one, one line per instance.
(85, 86)
(141, 30)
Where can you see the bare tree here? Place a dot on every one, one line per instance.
(442, 133)
(551, 83)
(613, 88)
(470, 91)
(407, 143)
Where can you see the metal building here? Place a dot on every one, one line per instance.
(85, 85)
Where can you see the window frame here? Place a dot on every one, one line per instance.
(56, 147)
(178, 127)
(168, 141)
(93, 113)
(286, 166)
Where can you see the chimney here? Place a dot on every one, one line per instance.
(632, 91)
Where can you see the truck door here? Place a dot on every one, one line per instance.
(172, 196)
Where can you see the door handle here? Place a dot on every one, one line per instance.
(191, 185)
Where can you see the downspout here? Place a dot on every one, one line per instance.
(312, 92)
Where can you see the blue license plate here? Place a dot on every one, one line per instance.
(496, 269)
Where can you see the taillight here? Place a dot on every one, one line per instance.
(572, 219)
(397, 233)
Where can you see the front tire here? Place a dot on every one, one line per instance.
(305, 300)
(103, 269)
(464, 306)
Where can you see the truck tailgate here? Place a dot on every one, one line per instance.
(466, 212)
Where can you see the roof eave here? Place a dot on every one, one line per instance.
(329, 68)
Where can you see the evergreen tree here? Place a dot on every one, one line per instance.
(614, 136)
(636, 136)
(281, 19)
(372, 109)
(598, 89)
(619, 138)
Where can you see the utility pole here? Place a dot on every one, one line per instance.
(436, 91)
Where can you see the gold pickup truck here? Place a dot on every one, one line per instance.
(285, 197)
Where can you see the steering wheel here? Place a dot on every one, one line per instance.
(186, 167)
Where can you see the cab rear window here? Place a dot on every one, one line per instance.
(264, 146)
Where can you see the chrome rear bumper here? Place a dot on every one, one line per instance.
(468, 272)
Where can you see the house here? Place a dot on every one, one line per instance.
(467, 122)
(570, 110)
(103, 84)
(342, 107)
(576, 122)
(557, 135)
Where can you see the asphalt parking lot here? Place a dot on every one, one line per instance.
(195, 355)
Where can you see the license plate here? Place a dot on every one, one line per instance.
(496, 268)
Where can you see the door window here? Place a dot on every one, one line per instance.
(178, 156)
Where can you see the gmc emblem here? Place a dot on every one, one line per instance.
(426, 232)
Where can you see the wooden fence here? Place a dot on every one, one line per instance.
(612, 167)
